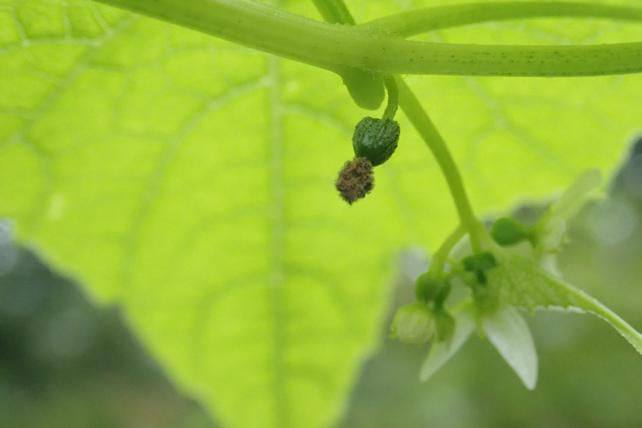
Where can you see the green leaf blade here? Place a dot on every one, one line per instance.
(174, 175)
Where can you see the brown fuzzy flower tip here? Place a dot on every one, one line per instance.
(355, 179)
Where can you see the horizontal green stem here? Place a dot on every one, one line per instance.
(337, 47)
(423, 20)
(501, 60)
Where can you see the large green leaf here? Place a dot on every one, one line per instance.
(191, 182)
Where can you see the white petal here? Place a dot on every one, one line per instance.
(575, 196)
(509, 333)
(441, 352)
(461, 249)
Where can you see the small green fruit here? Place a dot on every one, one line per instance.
(506, 231)
(427, 287)
(375, 139)
(413, 324)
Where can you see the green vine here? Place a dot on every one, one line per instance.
(424, 20)
(344, 47)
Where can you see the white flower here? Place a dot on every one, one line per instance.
(523, 274)
(505, 328)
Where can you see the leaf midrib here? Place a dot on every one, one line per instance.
(277, 235)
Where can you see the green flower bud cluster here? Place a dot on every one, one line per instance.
(419, 322)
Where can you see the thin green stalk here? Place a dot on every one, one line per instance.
(421, 121)
(393, 98)
(423, 20)
(339, 47)
(441, 255)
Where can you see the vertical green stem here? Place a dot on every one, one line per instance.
(435, 142)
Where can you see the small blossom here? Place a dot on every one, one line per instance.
(413, 324)
(505, 329)
(521, 274)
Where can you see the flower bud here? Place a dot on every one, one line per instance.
(506, 231)
(427, 287)
(413, 324)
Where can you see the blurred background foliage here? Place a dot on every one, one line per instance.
(66, 363)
